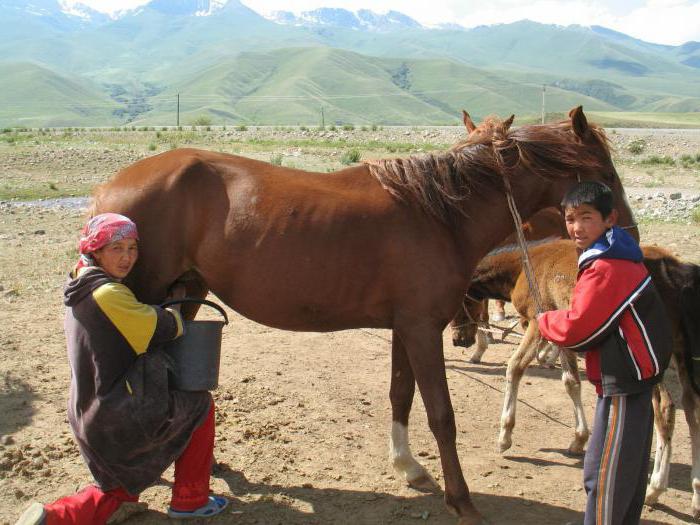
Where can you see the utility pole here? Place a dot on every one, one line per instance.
(323, 118)
(544, 89)
(178, 110)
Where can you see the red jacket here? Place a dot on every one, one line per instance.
(617, 317)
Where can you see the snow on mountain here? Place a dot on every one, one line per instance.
(361, 20)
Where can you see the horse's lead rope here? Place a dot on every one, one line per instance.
(527, 265)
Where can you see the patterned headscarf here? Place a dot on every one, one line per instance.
(102, 230)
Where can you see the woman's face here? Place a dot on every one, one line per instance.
(118, 258)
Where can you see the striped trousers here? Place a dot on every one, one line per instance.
(617, 460)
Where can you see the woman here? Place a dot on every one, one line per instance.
(129, 426)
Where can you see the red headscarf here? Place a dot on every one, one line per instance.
(102, 230)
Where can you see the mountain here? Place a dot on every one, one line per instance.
(362, 20)
(224, 54)
(53, 99)
(290, 86)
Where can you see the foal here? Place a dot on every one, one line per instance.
(500, 275)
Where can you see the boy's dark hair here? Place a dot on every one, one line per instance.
(593, 193)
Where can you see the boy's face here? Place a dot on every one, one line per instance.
(585, 224)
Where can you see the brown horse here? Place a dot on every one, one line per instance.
(545, 224)
(555, 265)
(548, 222)
(389, 244)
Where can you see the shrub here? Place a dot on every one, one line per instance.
(350, 157)
(164, 128)
(158, 134)
(276, 159)
(348, 127)
(303, 128)
(202, 120)
(52, 186)
(374, 127)
(659, 160)
(695, 214)
(331, 128)
(241, 127)
(363, 128)
(152, 146)
(637, 146)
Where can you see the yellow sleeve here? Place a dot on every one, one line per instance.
(135, 321)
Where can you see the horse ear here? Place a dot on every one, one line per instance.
(468, 123)
(579, 122)
(507, 123)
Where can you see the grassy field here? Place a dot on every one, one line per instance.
(44, 163)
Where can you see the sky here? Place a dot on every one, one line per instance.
(660, 21)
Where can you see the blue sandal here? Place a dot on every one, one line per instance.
(214, 506)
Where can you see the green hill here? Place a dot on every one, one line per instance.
(36, 96)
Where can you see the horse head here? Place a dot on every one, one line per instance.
(484, 132)
(562, 152)
(465, 324)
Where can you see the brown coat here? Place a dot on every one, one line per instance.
(129, 426)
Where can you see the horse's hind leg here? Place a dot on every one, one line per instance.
(516, 367)
(664, 423)
(403, 386)
(572, 383)
(500, 313)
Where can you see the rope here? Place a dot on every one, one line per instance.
(527, 264)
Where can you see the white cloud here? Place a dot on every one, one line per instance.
(661, 21)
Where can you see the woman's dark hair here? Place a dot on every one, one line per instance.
(593, 193)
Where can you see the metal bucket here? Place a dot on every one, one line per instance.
(197, 352)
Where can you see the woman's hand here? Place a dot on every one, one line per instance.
(176, 291)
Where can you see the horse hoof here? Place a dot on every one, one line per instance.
(475, 359)
(576, 448)
(424, 483)
(504, 444)
(652, 497)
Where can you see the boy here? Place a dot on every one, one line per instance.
(617, 318)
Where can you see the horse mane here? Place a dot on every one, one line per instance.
(441, 183)
(509, 248)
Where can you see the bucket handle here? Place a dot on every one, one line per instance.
(197, 301)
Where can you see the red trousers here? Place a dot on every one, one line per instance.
(91, 506)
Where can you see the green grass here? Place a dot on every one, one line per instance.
(658, 160)
(351, 156)
(695, 215)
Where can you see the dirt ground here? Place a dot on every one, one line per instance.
(303, 419)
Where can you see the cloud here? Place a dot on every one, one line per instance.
(660, 21)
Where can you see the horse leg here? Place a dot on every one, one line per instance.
(516, 367)
(664, 422)
(423, 345)
(548, 355)
(484, 321)
(482, 344)
(500, 314)
(572, 383)
(401, 392)
(691, 408)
